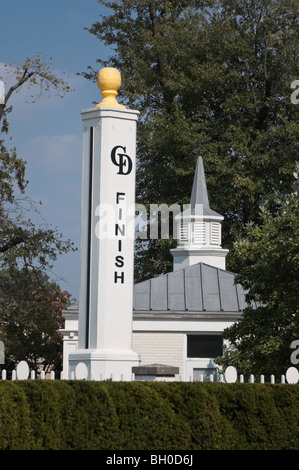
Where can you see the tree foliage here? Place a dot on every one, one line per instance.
(30, 304)
(34, 73)
(269, 269)
(212, 78)
(30, 318)
(20, 240)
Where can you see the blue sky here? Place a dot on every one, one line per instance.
(48, 133)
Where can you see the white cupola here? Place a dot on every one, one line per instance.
(199, 229)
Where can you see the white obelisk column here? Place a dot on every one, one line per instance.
(107, 238)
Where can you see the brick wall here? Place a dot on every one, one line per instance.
(160, 348)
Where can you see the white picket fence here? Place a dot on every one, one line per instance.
(231, 376)
(252, 379)
(14, 375)
(22, 372)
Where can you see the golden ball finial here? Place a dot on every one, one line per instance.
(109, 81)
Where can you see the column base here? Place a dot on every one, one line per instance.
(102, 364)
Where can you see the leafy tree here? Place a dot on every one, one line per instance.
(15, 230)
(30, 304)
(268, 258)
(30, 318)
(36, 74)
(212, 78)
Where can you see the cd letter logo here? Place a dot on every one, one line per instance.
(123, 161)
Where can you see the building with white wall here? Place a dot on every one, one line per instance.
(179, 317)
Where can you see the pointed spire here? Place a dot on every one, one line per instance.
(199, 193)
(199, 229)
(199, 201)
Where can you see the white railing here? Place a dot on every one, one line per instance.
(22, 372)
(14, 375)
(252, 379)
(230, 375)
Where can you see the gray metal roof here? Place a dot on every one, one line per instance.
(198, 289)
(195, 289)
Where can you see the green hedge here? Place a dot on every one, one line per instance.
(79, 415)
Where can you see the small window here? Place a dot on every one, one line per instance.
(204, 345)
